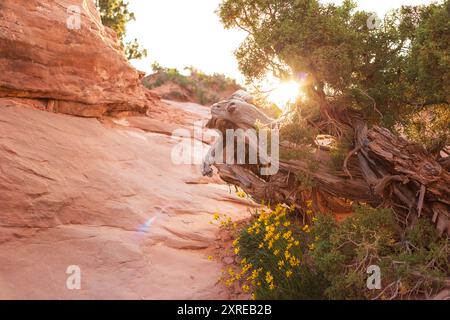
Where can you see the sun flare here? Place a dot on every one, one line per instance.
(284, 93)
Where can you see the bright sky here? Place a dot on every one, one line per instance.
(180, 33)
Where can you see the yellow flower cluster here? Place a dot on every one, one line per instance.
(241, 194)
(269, 280)
(274, 231)
(277, 253)
(224, 221)
(234, 276)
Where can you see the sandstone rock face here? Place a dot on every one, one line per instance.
(99, 193)
(75, 71)
(104, 196)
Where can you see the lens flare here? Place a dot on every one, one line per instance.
(145, 227)
(284, 93)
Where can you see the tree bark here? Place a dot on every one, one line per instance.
(381, 170)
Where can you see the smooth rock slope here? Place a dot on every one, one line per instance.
(105, 197)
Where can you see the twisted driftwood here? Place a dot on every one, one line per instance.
(381, 170)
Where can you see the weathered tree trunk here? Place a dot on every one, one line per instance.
(381, 170)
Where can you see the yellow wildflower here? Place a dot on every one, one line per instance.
(294, 261)
(287, 235)
(287, 255)
(246, 268)
(241, 194)
(269, 277)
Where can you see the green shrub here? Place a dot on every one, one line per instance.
(203, 87)
(273, 265)
(413, 262)
(281, 259)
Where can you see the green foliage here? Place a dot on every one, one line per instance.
(281, 259)
(305, 181)
(385, 73)
(430, 126)
(344, 252)
(297, 129)
(115, 15)
(156, 67)
(339, 152)
(272, 252)
(269, 108)
(202, 87)
(291, 154)
(429, 60)
(133, 50)
(413, 262)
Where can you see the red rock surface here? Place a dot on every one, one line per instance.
(81, 72)
(100, 193)
(105, 196)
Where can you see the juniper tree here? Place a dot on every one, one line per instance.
(366, 85)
